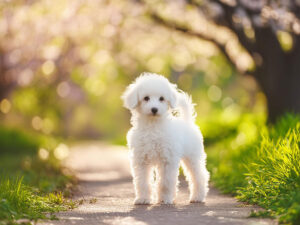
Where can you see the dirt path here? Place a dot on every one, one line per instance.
(107, 192)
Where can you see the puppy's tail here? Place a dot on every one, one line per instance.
(186, 107)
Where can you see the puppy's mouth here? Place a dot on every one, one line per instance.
(154, 114)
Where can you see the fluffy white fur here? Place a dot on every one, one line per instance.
(160, 141)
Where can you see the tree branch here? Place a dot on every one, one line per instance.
(184, 29)
(229, 23)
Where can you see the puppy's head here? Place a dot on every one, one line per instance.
(151, 95)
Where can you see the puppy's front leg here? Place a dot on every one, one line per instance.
(141, 180)
(167, 182)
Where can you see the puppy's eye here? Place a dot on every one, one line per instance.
(161, 99)
(146, 98)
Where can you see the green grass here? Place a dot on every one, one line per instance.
(19, 201)
(30, 187)
(262, 169)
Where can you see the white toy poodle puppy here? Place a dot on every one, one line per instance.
(160, 139)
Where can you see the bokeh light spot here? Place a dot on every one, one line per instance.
(51, 52)
(63, 89)
(239, 140)
(48, 67)
(155, 64)
(5, 106)
(285, 40)
(43, 154)
(227, 102)
(214, 93)
(37, 123)
(25, 77)
(61, 151)
(48, 126)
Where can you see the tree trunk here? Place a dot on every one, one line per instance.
(283, 98)
(279, 75)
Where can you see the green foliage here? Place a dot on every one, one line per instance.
(13, 141)
(229, 147)
(266, 171)
(274, 177)
(20, 156)
(36, 192)
(21, 201)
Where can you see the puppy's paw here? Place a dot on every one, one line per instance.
(142, 201)
(197, 200)
(165, 201)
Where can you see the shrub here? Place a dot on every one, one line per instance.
(265, 171)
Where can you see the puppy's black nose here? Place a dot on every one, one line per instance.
(154, 110)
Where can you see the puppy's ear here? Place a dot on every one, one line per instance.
(173, 96)
(130, 97)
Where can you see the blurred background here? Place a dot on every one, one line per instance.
(64, 64)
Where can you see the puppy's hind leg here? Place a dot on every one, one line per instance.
(141, 179)
(198, 176)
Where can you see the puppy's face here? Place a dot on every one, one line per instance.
(153, 104)
(151, 95)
